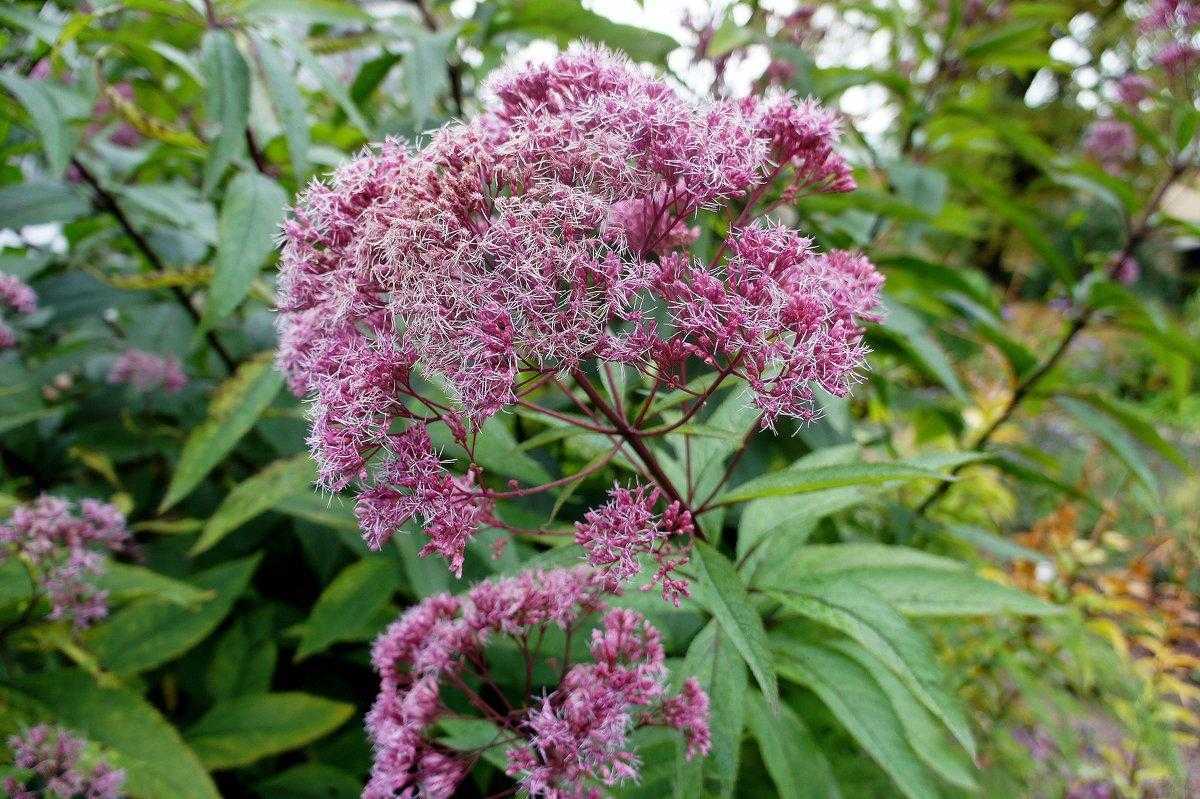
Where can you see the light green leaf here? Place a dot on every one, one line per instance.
(157, 763)
(906, 330)
(228, 82)
(38, 201)
(721, 592)
(150, 632)
(714, 662)
(231, 413)
(330, 12)
(425, 76)
(287, 102)
(861, 706)
(125, 582)
(566, 21)
(254, 495)
(795, 762)
(928, 739)
(818, 478)
(1114, 437)
(47, 117)
(855, 610)
(248, 728)
(332, 86)
(249, 223)
(360, 591)
(1135, 423)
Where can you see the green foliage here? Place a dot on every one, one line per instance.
(864, 617)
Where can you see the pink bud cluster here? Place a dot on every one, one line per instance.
(1179, 20)
(53, 758)
(147, 372)
(64, 551)
(17, 297)
(615, 534)
(560, 745)
(424, 287)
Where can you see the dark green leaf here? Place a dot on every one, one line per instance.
(360, 591)
(254, 495)
(242, 730)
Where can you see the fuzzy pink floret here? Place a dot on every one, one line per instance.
(147, 372)
(53, 756)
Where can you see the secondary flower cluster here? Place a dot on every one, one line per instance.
(18, 298)
(575, 736)
(545, 233)
(1178, 21)
(64, 551)
(53, 757)
(147, 372)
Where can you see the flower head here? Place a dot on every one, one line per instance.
(66, 551)
(53, 759)
(563, 744)
(146, 372)
(1110, 142)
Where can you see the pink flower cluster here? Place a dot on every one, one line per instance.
(53, 758)
(17, 297)
(64, 551)
(616, 533)
(542, 234)
(147, 372)
(1179, 20)
(1111, 142)
(562, 745)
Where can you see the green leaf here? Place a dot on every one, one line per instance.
(245, 656)
(287, 102)
(852, 608)
(310, 781)
(425, 76)
(245, 729)
(989, 326)
(231, 413)
(125, 582)
(38, 201)
(254, 495)
(157, 763)
(721, 592)
(1135, 423)
(331, 85)
(330, 12)
(716, 665)
(906, 330)
(819, 478)
(228, 82)
(249, 223)
(861, 706)
(928, 740)
(566, 21)
(795, 762)
(47, 117)
(360, 591)
(150, 632)
(913, 582)
(1114, 437)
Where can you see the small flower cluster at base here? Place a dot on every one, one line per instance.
(1111, 142)
(65, 551)
(18, 298)
(54, 758)
(147, 372)
(616, 533)
(563, 745)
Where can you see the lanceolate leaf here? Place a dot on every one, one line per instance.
(795, 762)
(425, 72)
(1134, 423)
(720, 590)
(288, 103)
(150, 632)
(231, 413)
(250, 217)
(248, 728)
(817, 478)
(857, 701)
(43, 109)
(359, 592)
(721, 672)
(568, 20)
(125, 582)
(855, 610)
(157, 763)
(257, 494)
(228, 81)
(1115, 438)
